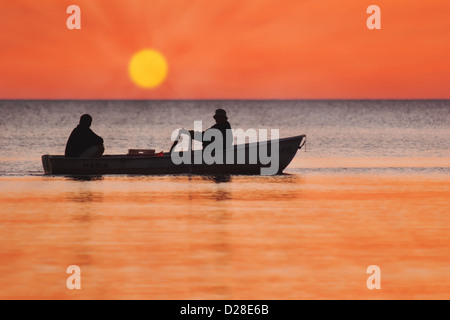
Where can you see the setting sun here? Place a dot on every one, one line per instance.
(148, 68)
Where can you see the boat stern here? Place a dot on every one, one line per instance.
(46, 163)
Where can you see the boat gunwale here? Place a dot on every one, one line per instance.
(168, 154)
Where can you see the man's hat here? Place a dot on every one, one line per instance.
(220, 113)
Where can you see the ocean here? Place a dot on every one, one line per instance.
(371, 187)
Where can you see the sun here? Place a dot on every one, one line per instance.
(148, 68)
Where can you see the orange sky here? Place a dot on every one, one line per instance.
(233, 49)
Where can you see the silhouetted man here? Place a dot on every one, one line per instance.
(83, 142)
(223, 126)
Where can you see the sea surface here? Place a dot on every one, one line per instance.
(371, 187)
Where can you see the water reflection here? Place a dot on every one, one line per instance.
(280, 237)
(84, 178)
(221, 195)
(84, 196)
(219, 178)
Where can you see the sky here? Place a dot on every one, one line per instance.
(227, 49)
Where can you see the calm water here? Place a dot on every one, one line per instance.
(371, 188)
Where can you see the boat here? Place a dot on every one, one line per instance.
(149, 163)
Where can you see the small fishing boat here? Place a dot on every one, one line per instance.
(145, 162)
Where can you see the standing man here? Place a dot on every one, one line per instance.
(83, 142)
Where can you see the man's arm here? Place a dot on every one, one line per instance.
(96, 138)
(196, 135)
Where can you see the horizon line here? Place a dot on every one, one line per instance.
(237, 99)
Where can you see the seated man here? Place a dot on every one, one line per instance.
(83, 142)
(223, 126)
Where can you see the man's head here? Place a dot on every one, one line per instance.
(220, 116)
(85, 120)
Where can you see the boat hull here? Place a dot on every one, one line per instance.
(163, 164)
